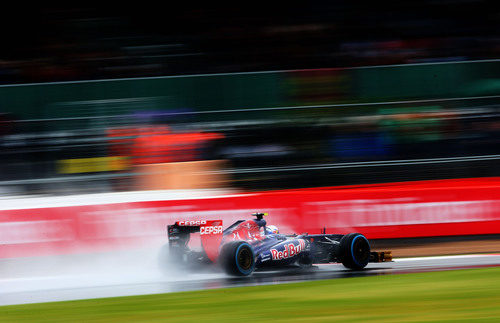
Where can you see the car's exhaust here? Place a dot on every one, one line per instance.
(380, 256)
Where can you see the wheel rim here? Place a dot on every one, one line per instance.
(360, 251)
(245, 258)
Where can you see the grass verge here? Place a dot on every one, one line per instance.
(455, 296)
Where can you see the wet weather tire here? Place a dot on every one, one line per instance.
(354, 251)
(237, 258)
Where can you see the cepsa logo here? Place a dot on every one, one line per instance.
(191, 223)
(211, 229)
(290, 250)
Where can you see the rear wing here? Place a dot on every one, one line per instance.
(210, 235)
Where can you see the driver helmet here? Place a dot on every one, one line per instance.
(272, 229)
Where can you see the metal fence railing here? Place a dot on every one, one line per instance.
(266, 148)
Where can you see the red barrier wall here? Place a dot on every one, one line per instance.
(396, 210)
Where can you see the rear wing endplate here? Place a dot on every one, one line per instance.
(210, 234)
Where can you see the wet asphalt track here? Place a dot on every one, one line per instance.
(59, 287)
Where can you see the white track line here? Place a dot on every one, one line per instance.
(409, 259)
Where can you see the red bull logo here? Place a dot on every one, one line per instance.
(289, 251)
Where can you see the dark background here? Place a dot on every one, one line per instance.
(50, 43)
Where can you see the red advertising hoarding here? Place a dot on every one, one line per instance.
(396, 210)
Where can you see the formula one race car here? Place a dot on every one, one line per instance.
(248, 245)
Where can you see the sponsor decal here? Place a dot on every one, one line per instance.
(211, 229)
(27, 232)
(401, 211)
(265, 258)
(290, 250)
(192, 223)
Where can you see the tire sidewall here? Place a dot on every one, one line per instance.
(347, 246)
(229, 258)
(248, 271)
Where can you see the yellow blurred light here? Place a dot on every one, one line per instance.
(92, 165)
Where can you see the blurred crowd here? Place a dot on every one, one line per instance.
(275, 153)
(79, 43)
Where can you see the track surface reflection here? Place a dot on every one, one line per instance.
(125, 283)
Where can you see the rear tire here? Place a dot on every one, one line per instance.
(354, 251)
(237, 258)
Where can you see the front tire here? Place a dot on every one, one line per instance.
(354, 251)
(237, 258)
